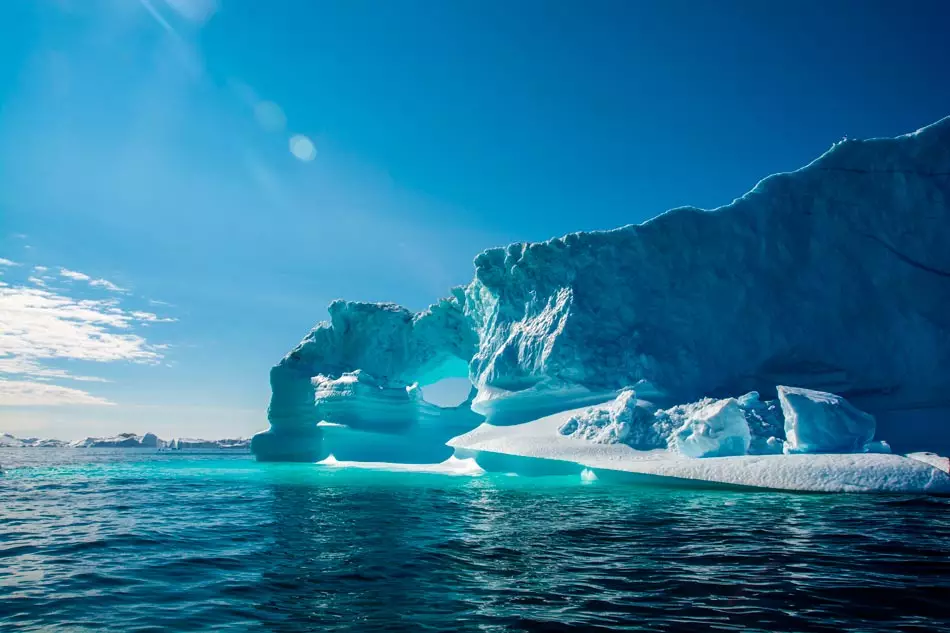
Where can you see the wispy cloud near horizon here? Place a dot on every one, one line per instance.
(40, 325)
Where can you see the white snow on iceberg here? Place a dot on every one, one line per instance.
(536, 448)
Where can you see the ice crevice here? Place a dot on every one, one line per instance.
(906, 258)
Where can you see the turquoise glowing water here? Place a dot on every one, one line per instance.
(132, 541)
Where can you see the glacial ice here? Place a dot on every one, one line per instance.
(706, 428)
(716, 429)
(818, 422)
(625, 419)
(832, 278)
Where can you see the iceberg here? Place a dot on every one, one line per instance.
(193, 444)
(8, 441)
(37, 442)
(122, 440)
(127, 440)
(834, 278)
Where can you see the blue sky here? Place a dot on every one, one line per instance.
(162, 246)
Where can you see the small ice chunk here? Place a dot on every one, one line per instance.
(820, 422)
(763, 446)
(714, 428)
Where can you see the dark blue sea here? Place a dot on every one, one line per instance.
(138, 541)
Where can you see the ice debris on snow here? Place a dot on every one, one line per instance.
(717, 429)
(706, 428)
(536, 448)
(623, 420)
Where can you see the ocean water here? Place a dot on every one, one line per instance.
(139, 541)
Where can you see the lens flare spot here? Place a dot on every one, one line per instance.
(302, 147)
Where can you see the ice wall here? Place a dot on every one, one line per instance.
(834, 277)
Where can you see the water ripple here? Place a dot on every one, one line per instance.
(146, 542)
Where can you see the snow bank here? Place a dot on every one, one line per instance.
(451, 466)
(536, 448)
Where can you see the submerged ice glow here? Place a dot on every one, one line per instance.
(832, 279)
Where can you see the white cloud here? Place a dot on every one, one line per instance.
(39, 325)
(72, 274)
(36, 281)
(7, 262)
(108, 285)
(36, 323)
(97, 283)
(151, 318)
(21, 393)
(40, 269)
(30, 368)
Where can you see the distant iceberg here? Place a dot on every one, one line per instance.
(128, 440)
(191, 444)
(123, 440)
(8, 441)
(834, 278)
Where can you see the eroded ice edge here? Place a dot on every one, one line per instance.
(771, 343)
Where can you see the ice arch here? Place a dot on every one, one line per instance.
(360, 370)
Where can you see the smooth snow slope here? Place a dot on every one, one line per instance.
(834, 277)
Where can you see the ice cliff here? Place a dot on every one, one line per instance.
(834, 277)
